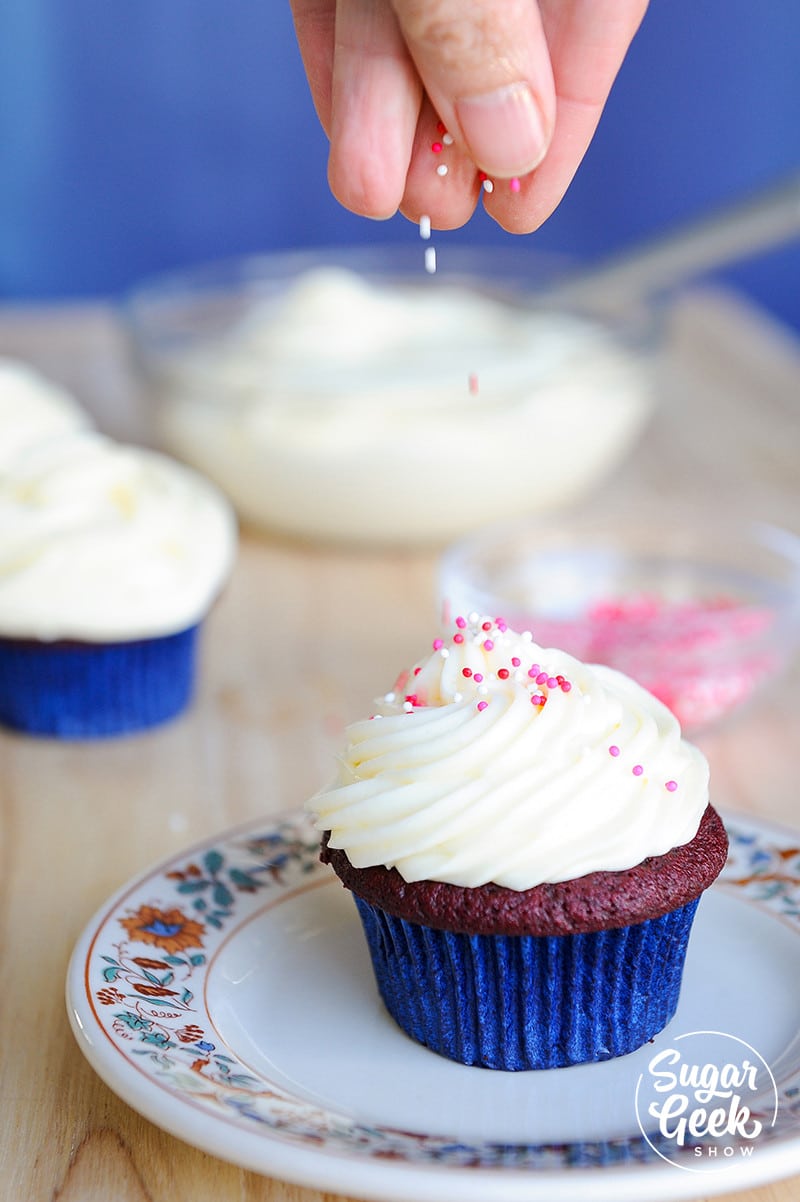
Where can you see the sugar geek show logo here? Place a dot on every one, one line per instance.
(705, 1100)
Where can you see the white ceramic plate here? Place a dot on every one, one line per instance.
(227, 996)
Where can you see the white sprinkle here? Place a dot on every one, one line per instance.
(375, 717)
(441, 169)
(488, 185)
(458, 697)
(389, 698)
(483, 689)
(425, 227)
(430, 259)
(407, 706)
(448, 139)
(178, 823)
(444, 652)
(473, 617)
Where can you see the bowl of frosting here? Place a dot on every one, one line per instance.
(703, 614)
(353, 396)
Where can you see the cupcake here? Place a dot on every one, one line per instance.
(110, 557)
(526, 838)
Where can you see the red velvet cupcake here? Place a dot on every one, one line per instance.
(527, 840)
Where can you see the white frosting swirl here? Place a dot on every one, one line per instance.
(100, 541)
(507, 776)
(32, 408)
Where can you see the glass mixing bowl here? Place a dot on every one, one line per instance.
(347, 395)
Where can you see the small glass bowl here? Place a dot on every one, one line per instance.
(347, 395)
(702, 616)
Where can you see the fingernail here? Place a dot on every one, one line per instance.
(504, 129)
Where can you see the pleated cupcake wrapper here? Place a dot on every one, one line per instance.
(529, 1002)
(88, 690)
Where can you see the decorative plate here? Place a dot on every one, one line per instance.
(227, 996)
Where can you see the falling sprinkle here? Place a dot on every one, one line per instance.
(430, 260)
(425, 227)
(436, 147)
(448, 139)
(473, 383)
(488, 186)
(514, 184)
(441, 169)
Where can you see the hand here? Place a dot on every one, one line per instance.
(509, 90)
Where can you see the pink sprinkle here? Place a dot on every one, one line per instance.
(488, 645)
(542, 678)
(565, 686)
(514, 184)
(637, 769)
(613, 750)
(515, 661)
(461, 623)
(486, 626)
(502, 673)
(438, 644)
(436, 147)
(473, 384)
(482, 705)
(538, 699)
(501, 625)
(478, 677)
(552, 683)
(671, 785)
(458, 638)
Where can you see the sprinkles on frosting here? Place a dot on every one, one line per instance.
(489, 635)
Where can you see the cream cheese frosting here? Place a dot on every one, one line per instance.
(100, 541)
(358, 387)
(32, 408)
(498, 760)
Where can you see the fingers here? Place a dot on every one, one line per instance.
(588, 40)
(441, 183)
(486, 68)
(375, 101)
(314, 27)
(368, 62)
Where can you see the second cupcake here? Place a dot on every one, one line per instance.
(110, 557)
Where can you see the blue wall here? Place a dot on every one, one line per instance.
(141, 136)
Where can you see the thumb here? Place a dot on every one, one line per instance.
(486, 69)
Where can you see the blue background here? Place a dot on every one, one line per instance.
(141, 136)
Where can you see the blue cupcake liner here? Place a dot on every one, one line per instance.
(76, 690)
(517, 1002)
